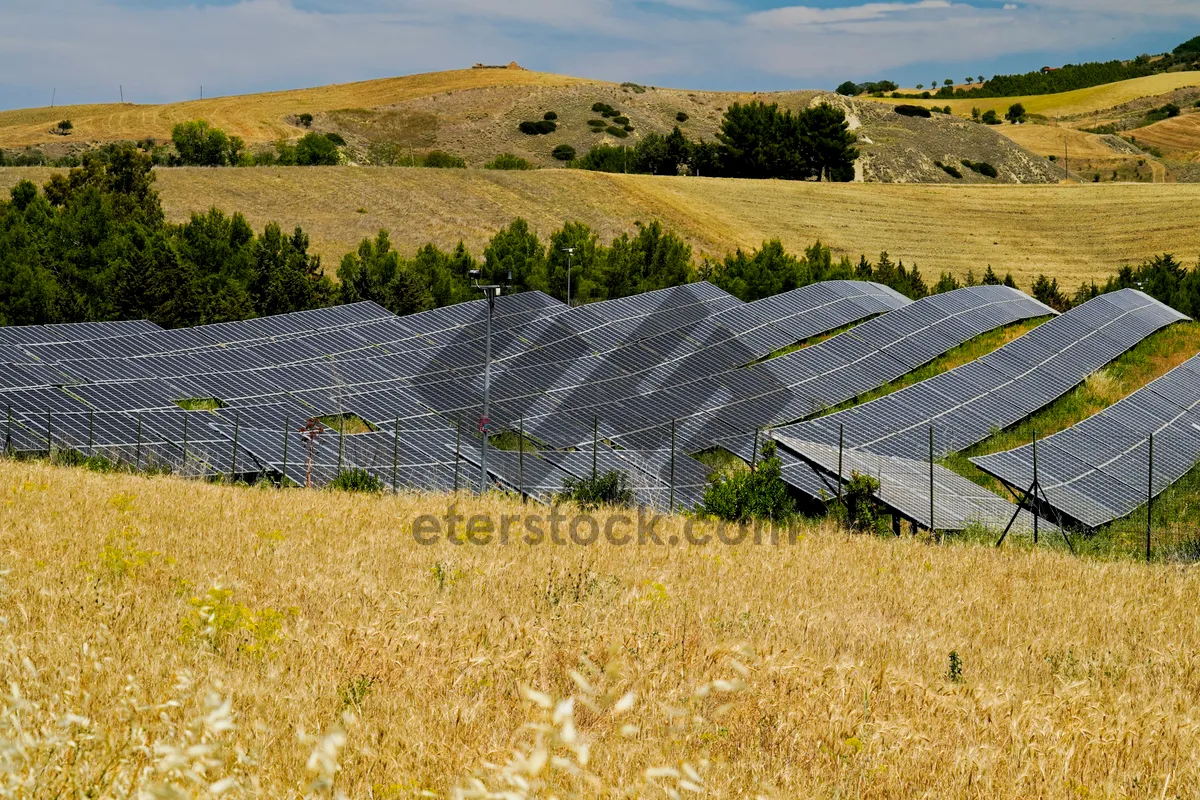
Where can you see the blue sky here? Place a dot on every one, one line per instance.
(164, 50)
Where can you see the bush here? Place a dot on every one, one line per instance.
(604, 109)
(357, 480)
(550, 115)
(1163, 112)
(1016, 113)
(862, 511)
(620, 133)
(306, 120)
(848, 89)
(564, 152)
(756, 495)
(683, 117)
(982, 167)
(990, 117)
(621, 120)
(636, 88)
(950, 170)
(508, 161)
(539, 128)
(201, 145)
(913, 111)
(628, 129)
(336, 138)
(598, 123)
(439, 159)
(609, 489)
(64, 127)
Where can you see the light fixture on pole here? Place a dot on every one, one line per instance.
(491, 292)
(570, 251)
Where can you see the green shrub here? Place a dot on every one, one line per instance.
(357, 480)
(539, 128)
(597, 123)
(613, 130)
(609, 489)
(628, 129)
(681, 117)
(756, 495)
(990, 117)
(550, 115)
(1163, 112)
(982, 167)
(64, 127)
(913, 111)
(633, 87)
(949, 170)
(564, 152)
(604, 109)
(1016, 113)
(862, 510)
(439, 159)
(621, 120)
(508, 161)
(306, 120)
(336, 138)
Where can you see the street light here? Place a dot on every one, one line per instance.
(491, 292)
(570, 251)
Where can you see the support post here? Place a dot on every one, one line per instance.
(672, 503)
(341, 442)
(1150, 498)
(754, 453)
(8, 445)
(457, 447)
(521, 459)
(49, 436)
(237, 424)
(137, 464)
(1036, 486)
(185, 441)
(396, 455)
(595, 445)
(91, 431)
(931, 527)
(841, 450)
(287, 426)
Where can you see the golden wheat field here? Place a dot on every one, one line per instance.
(254, 117)
(170, 640)
(1074, 233)
(1178, 137)
(1067, 104)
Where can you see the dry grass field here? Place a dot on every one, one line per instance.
(1074, 233)
(251, 643)
(1178, 137)
(1109, 156)
(255, 117)
(1067, 104)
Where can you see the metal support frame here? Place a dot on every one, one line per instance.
(1030, 498)
(754, 453)
(341, 441)
(931, 526)
(1149, 497)
(521, 460)
(237, 424)
(457, 450)
(185, 441)
(49, 436)
(91, 431)
(137, 464)
(672, 501)
(595, 445)
(396, 455)
(287, 427)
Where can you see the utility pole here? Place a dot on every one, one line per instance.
(122, 88)
(570, 251)
(491, 292)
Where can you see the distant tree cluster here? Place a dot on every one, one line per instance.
(756, 140)
(850, 88)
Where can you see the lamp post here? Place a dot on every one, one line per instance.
(570, 251)
(490, 291)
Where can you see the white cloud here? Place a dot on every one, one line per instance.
(794, 16)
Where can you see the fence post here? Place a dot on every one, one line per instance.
(1036, 488)
(396, 455)
(237, 424)
(672, 502)
(457, 446)
(185, 442)
(521, 459)
(137, 464)
(841, 450)
(49, 436)
(341, 442)
(1150, 498)
(91, 431)
(287, 425)
(8, 445)
(931, 527)
(595, 444)
(754, 453)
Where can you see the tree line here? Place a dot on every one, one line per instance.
(93, 245)
(756, 140)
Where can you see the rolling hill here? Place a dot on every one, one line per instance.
(1073, 232)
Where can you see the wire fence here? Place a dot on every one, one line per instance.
(1117, 496)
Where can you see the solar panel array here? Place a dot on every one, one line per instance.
(658, 375)
(1098, 470)
(965, 405)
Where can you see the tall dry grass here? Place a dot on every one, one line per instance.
(169, 639)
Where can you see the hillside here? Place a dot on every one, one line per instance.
(403, 669)
(475, 114)
(1071, 232)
